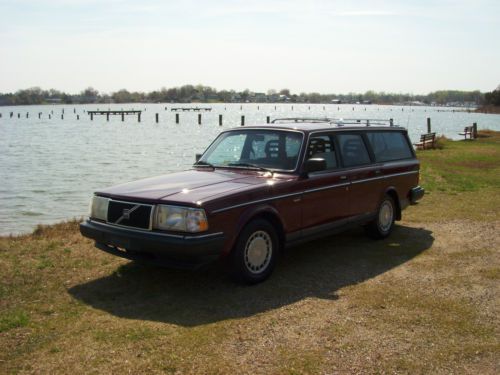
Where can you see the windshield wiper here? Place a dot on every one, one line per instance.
(250, 165)
(202, 163)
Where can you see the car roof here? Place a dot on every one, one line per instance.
(307, 127)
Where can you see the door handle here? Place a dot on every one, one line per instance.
(343, 177)
(378, 171)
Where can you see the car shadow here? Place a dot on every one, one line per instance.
(189, 298)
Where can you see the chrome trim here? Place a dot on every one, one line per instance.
(383, 177)
(256, 201)
(327, 187)
(311, 191)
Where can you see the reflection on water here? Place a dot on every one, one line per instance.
(49, 168)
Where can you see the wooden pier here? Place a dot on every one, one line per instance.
(116, 113)
(195, 109)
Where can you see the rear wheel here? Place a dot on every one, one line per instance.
(254, 256)
(383, 224)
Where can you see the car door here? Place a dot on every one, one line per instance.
(326, 193)
(361, 172)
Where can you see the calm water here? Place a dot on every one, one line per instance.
(49, 168)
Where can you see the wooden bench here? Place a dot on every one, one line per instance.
(426, 141)
(468, 132)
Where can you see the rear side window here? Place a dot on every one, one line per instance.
(322, 146)
(388, 146)
(353, 150)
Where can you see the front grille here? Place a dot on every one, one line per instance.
(135, 215)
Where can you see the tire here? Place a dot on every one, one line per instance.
(383, 224)
(254, 255)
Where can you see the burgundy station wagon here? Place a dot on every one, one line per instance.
(259, 189)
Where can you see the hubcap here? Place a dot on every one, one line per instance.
(258, 251)
(385, 216)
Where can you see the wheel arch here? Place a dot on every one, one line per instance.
(265, 212)
(391, 191)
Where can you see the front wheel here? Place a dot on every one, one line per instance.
(254, 256)
(383, 224)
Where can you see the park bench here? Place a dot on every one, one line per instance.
(426, 141)
(468, 132)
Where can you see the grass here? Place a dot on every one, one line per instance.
(423, 301)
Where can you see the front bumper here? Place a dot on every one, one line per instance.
(177, 251)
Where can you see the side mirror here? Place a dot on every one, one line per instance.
(314, 165)
(197, 157)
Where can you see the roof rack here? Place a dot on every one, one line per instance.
(337, 121)
(302, 119)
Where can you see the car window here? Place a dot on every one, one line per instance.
(353, 150)
(263, 148)
(322, 146)
(388, 146)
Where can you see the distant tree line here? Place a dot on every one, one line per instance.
(200, 93)
(493, 98)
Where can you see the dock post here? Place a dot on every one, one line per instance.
(39, 115)
(123, 116)
(50, 117)
(242, 120)
(199, 118)
(138, 116)
(268, 119)
(74, 110)
(220, 120)
(309, 108)
(241, 107)
(11, 114)
(391, 122)
(258, 107)
(27, 114)
(62, 116)
(474, 130)
(91, 116)
(0, 115)
(78, 117)
(275, 108)
(292, 107)
(176, 118)
(63, 111)
(107, 116)
(428, 124)
(156, 118)
(18, 115)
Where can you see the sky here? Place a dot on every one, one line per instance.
(305, 46)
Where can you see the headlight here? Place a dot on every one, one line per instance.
(182, 219)
(99, 208)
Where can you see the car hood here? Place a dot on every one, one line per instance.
(189, 187)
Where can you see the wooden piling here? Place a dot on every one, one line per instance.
(474, 130)
(176, 118)
(39, 115)
(138, 116)
(156, 118)
(62, 116)
(391, 122)
(91, 116)
(18, 115)
(268, 119)
(220, 120)
(428, 125)
(11, 114)
(78, 117)
(50, 116)
(242, 120)
(27, 114)
(74, 110)
(199, 118)
(258, 107)
(123, 116)
(107, 117)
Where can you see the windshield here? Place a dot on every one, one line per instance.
(253, 148)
